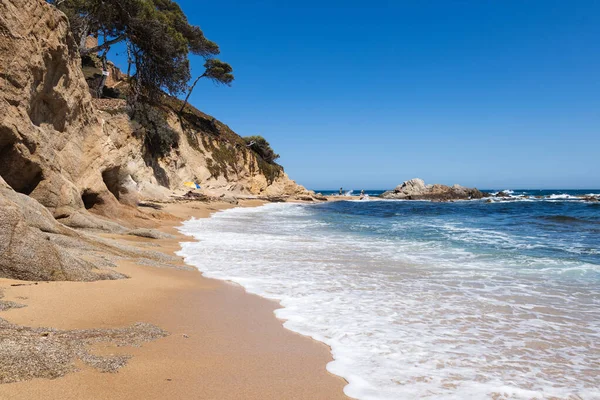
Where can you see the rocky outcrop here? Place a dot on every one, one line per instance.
(56, 147)
(27, 248)
(415, 189)
(67, 159)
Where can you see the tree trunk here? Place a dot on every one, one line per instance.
(129, 59)
(103, 46)
(83, 38)
(104, 77)
(135, 85)
(190, 92)
(132, 98)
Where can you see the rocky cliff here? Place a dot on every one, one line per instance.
(415, 189)
(67, 160)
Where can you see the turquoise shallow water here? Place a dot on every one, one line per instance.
(463, 300)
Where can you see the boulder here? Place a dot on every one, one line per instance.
(412, 187)
(228, 199)
(27, 250)
(304, 198)
(150, 233)
(276, 199)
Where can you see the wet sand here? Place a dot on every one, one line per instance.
(223, 343)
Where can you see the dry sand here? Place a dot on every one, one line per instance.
(223, 343)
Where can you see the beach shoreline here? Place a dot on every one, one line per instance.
(222, 343)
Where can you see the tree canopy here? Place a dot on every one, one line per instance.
(215, 70)
(260, 145)
(158, 38)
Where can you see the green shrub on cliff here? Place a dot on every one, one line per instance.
(261, 147)
(158, 135)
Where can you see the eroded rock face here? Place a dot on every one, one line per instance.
(47, 114)
(26, 249)
(58, 148)
(415, 189)
(66, 162)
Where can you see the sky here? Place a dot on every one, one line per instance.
(367, 94)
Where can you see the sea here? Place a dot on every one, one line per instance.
(483, 299)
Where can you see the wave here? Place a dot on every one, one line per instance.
(592, 198)
(410, 318)
(505, 191)
(511, 199)
(562, 196)
(547, 198)
(566, 219)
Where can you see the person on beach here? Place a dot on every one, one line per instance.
(362, 194)
(341, 191)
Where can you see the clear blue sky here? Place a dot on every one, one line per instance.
(366, 94)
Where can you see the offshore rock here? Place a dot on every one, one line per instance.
(415, 189)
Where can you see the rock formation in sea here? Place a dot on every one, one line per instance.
(70, 161)
(415, 189)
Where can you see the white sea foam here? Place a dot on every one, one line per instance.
(506, 191)
(414, 319)
(563, 197)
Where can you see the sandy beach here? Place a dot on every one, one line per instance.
(222, 343)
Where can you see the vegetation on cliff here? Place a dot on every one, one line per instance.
(71, 166)
(160, 137)
(158, 38)
(260, 145)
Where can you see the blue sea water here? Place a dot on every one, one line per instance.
(460, 300)
(350, 192)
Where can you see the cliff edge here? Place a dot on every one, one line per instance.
(70, 161)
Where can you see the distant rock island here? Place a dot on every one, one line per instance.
(415, 189)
